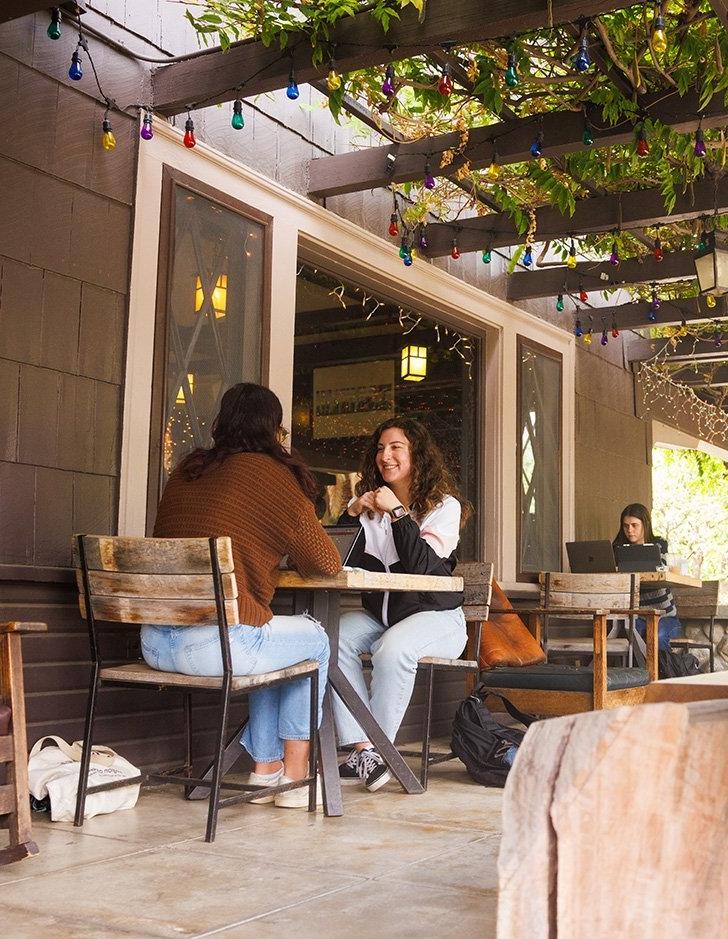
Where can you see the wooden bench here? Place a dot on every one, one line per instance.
(695, 606)
(14, 798)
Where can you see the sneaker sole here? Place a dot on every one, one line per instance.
(382, 781)
(296, 798)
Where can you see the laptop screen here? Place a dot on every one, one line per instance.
(344, 538)
(632, 558)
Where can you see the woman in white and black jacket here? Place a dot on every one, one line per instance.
(411, 514)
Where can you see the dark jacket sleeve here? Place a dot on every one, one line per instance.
(416, 555)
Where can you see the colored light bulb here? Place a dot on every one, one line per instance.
(444, 86)
(408, 260)
(583, 295)
(429, 180)
(643, 146)
(486, 257)
(560, 303)
(717, 340)
(586, 138)
(147, 131)
(604, 340)
(571, 260)
(511, 71)
(393, 229)
(655, 302)
(54, 27)
(683, 331)
(537, 145)
(493, 171)
(587, 339)
(582, 62)
(659, 39)
(237, 121)
(292, 91)
(108, 141)
(710, 300)
(189, 139)
(614, 256)
(75, 72)
(699, 149)
(422, 242)
(657, 251)
(528, 256)
(578, 329)
(615, 331)
(333, 79)
(455, 253)
(388, 83)
(703, 243)
(404, 249)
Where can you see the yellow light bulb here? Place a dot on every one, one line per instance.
(333, 80)
(108, 141)
(587, 339)
(659, 41)
(571, 262)
(493, 171)
(710, 300)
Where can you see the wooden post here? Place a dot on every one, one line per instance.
(600, 660)
(651, 642)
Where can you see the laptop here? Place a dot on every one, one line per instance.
(633, 558)
(591, 557)
(344, 537)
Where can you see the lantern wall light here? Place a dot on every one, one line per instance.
(414, 363)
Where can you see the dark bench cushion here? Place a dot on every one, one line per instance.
(562, 678)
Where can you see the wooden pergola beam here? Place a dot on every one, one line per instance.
(14, 9)
(635, 315)
(249, 68)
(511, 141)
(594, 275)
(685, 350)
(716, 378)
(635, 209)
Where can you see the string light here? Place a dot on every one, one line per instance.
(571, 260)
(582, 62)
(511, 76)
(54, 27)
(147, 131)
(333, 79)
(528, 256)
(655, 304)
(445, 86)
(292, 91)
(560, 303)
(605, 339)
(699, 149)
(660, 393)
(578, 329)
(455, 252)
(587, 338)
(587, 138)
(422, 242)
(75, 71)
(393, 229)
(429, 180)
(189, 139)
(486, 257)
(614, 256)
(615, 331)
(659, 39)
(643, 146)
(710, 300)
(537, 145)
(237, 121)
(108, 140)
(493, 171)
(583, 295)
(703, 243)
(388, 88)
(657, 252)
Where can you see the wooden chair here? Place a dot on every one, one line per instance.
(14, 797)
(566, 689)
(593, 591)
(695, 606)
(177, 582)
(478, 580)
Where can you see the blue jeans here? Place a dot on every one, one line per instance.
(668, 627)
(395, 651)
(276, 714)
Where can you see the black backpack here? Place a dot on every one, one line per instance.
(485, 746)
(677, 664)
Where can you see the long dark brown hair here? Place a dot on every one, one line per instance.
(635, 510)
(249, 421)
(431, 481)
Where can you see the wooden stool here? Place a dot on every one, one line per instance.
(14, 799)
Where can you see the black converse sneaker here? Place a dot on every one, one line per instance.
(349, 771)
(373, 771)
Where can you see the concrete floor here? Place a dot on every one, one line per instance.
(393, 866)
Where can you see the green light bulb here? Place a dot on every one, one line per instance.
(560, 303)
(486, 257)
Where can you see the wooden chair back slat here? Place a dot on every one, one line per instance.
(157, 586)
(153, 555)
(478, 580)
(709, 600)
(159, 612)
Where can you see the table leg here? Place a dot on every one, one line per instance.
(325, 609)
(231, 754)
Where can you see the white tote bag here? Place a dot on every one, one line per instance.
(54, 771)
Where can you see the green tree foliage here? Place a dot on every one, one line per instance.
(690, 507)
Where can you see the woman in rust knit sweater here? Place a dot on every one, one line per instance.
(248, 486)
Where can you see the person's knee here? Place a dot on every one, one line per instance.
(394, 654)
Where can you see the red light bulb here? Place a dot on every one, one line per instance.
(393, 229)
(583, 295)
(455, 253)
(189, 137)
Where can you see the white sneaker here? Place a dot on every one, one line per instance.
(272, 779)
(296, 798)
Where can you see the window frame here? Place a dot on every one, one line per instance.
(524, 343)
(173, 179)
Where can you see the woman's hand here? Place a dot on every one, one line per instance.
(365, 503)
(385, 500)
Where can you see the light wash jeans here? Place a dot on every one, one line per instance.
(276, 714)
(395, 651)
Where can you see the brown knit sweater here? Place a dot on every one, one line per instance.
(257, 502)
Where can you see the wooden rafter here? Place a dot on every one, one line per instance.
(600, 275)
(599, 214)
(14, 9)
(509, 140)
(250, 68)
(635, 315)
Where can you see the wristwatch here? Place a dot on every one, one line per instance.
(399, 511)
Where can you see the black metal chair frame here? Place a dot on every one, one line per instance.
(226, 694)
(688, 644)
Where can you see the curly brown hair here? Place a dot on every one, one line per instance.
(431, 480)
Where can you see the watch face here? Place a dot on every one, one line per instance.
(398, 511)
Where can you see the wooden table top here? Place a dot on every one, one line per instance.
(670, 578)
(358, 579)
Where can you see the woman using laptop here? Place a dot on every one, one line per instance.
(635, 527)
(411, 514)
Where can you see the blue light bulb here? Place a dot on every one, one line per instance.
(407, 261)
(292, 91)
(75, 72)
(578, 330)
(527, 257)
(537, 146)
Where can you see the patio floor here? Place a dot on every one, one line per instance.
(393, 866)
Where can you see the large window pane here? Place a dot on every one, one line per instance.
(539, 451)
(214, 307)
(360, 360)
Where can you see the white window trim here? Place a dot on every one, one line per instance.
(298, 221)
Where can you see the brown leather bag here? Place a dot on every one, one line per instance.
(505, 639)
